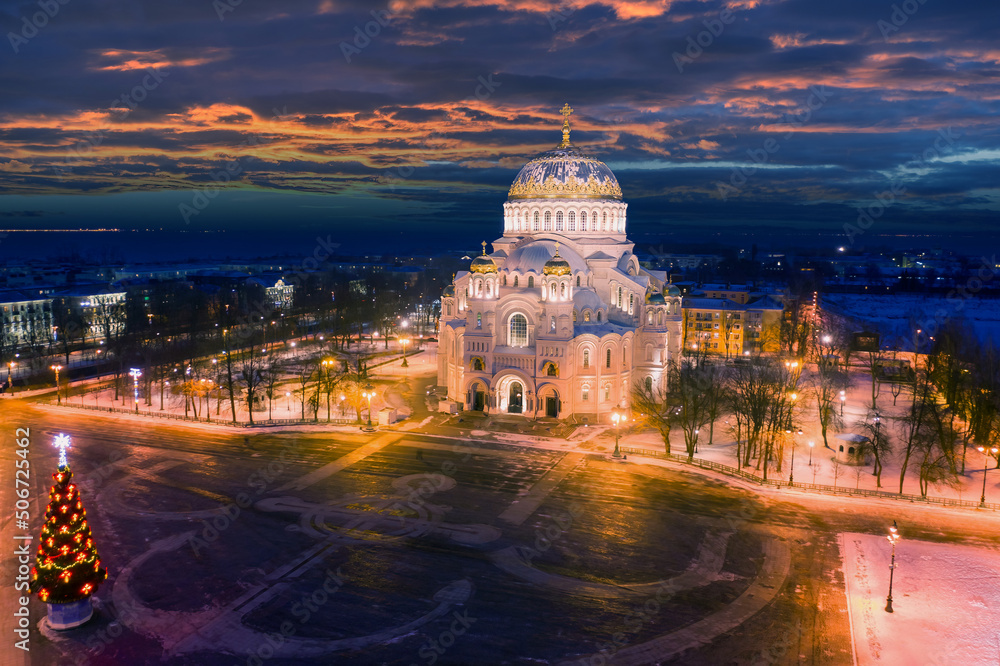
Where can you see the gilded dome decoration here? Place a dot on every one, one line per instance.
(565, 173)
(556, 265)
(483, 263)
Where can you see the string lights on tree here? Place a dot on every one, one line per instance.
(67, 567)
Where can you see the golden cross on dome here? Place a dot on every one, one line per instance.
(565, 111)
(484, 248)
(557, 248)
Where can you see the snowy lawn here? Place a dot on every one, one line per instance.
(945, 598)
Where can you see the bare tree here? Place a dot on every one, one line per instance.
(655, 406)
(879, 443)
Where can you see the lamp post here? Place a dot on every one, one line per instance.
(893, 538)
(986, 464)
(617, 417)
(288, 402)
(135, 373)
(57, 368)
(10, 372)
(404, 342)
(368, 394)
(811, 445)
(791, 464)
(843, 399)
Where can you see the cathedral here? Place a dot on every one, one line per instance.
(560, 320)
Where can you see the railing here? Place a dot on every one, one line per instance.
(219, 420)
(814, 487)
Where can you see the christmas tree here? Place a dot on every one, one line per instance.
(67, 567)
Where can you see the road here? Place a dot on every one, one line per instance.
(409, 548)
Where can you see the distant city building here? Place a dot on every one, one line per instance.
(560, 320)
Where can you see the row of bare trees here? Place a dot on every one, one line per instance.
(954, 404)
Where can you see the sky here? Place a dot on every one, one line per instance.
(849, 121)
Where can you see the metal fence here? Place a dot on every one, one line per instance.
(812, 487)
(220, 420)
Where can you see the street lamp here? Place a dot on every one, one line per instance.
(57, 368)
(811, 445)
(893, 538)
(986, 464)
(368, 394)
(288, 402)
(404, 342)
(843, 399)
(135, 373)
(617, 417)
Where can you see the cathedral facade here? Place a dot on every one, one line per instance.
(560, 320)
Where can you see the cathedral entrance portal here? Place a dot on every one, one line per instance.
(515, 400)
(552, 406)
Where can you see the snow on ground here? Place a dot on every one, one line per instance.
(898, 315)
(946, 602)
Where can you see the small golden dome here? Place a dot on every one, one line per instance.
(483, 263)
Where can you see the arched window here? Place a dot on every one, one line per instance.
(624, 356)
(517, 221)
(583, 220)
(649, 352)
(479, 320)
(607, 360)
(649, 384)
(552, 323)
(619, 298)
(515, 280)
(548, 220)
(531, 282)
(585, 394)
(586, 316)
(536, 221)
(477, 364)
(552, 289)
(562, 290)
(574, 315)
(607, 392)
(551, 371)
(604, 223)
(659, 318)
(448, 309)
(586, 359)
(518, 331)
(598, 315)
(572, 220)
(578, 280)
(649, 317)
(630, 302)
(559, 221)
